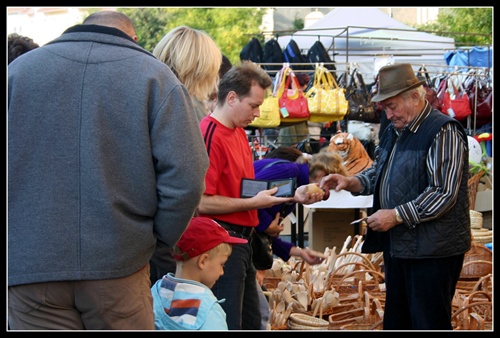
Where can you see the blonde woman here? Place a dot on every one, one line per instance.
(195, 59)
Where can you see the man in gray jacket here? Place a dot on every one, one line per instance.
(105, 159)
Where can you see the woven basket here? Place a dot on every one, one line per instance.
(362, 326)
(271, 283)
(477, 262)
(356, 316)
(481, 235)
(279, 328)
(472, 185)
(298, 327)
(481, 232)
(349, 283)
(476, 219)
(485, 239)
(300, 321)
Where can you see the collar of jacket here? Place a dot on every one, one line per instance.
(98, 29)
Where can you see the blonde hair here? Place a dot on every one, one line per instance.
(221, 249)
(330, 162)
(194, 57)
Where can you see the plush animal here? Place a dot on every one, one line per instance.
(354, 154)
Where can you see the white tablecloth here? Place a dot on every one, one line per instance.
(343, 200)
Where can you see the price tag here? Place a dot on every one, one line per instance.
(284, 112)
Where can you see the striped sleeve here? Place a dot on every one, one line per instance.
(445, 167)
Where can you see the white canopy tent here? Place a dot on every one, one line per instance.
(369, 38)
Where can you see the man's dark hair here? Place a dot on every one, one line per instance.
(224, 66)
(19, 44)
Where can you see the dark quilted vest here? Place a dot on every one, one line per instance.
(450, 234)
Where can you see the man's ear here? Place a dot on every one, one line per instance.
(231, 97)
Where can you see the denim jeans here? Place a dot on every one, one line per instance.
(238, 286)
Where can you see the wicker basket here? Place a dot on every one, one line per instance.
(484, 239)
(476, 219)
(477, 262)
(355, 316)
(472, 185)
(271, 283)
(279, 328)
(300, 321)
(362, 326)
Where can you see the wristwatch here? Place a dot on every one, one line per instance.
(399, 219)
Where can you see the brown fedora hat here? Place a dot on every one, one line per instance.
(395, 79)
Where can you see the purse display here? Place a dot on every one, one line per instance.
(454, 101)
(361, 107)
(478, 86)
(325, 99)
(430, 92)
(269, 113)
(292, 101)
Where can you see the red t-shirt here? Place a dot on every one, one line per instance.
(231, 159)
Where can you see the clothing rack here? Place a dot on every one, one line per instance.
(440, 70)
(465, 71)
(345, 33)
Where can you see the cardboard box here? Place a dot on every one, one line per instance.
(331, 227)
(484, 196)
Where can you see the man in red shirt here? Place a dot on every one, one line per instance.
(241, 91)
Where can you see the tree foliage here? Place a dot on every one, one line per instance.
(231, 28)
(468, 26)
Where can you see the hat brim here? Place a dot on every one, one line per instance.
(235, 240)
(384, 96)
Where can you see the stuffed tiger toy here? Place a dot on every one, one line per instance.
(354, 154)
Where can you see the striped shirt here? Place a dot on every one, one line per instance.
(444, 169)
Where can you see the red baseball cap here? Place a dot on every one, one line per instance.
(201, 235)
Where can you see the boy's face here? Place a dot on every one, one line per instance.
(213, 269)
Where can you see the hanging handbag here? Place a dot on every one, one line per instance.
(292, 102)
(269, 113)
(480, 87)
(262, 250)
(454, 101)
(325, 99)
(361, 107)
(430, 92)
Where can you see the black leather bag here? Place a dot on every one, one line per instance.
(262, 250)
(361, 107)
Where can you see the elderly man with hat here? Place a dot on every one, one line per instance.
(420, 218)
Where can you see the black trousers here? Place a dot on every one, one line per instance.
(419, 292)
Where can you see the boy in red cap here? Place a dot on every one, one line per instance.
(184, 301)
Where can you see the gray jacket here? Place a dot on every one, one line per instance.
(105, 155)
